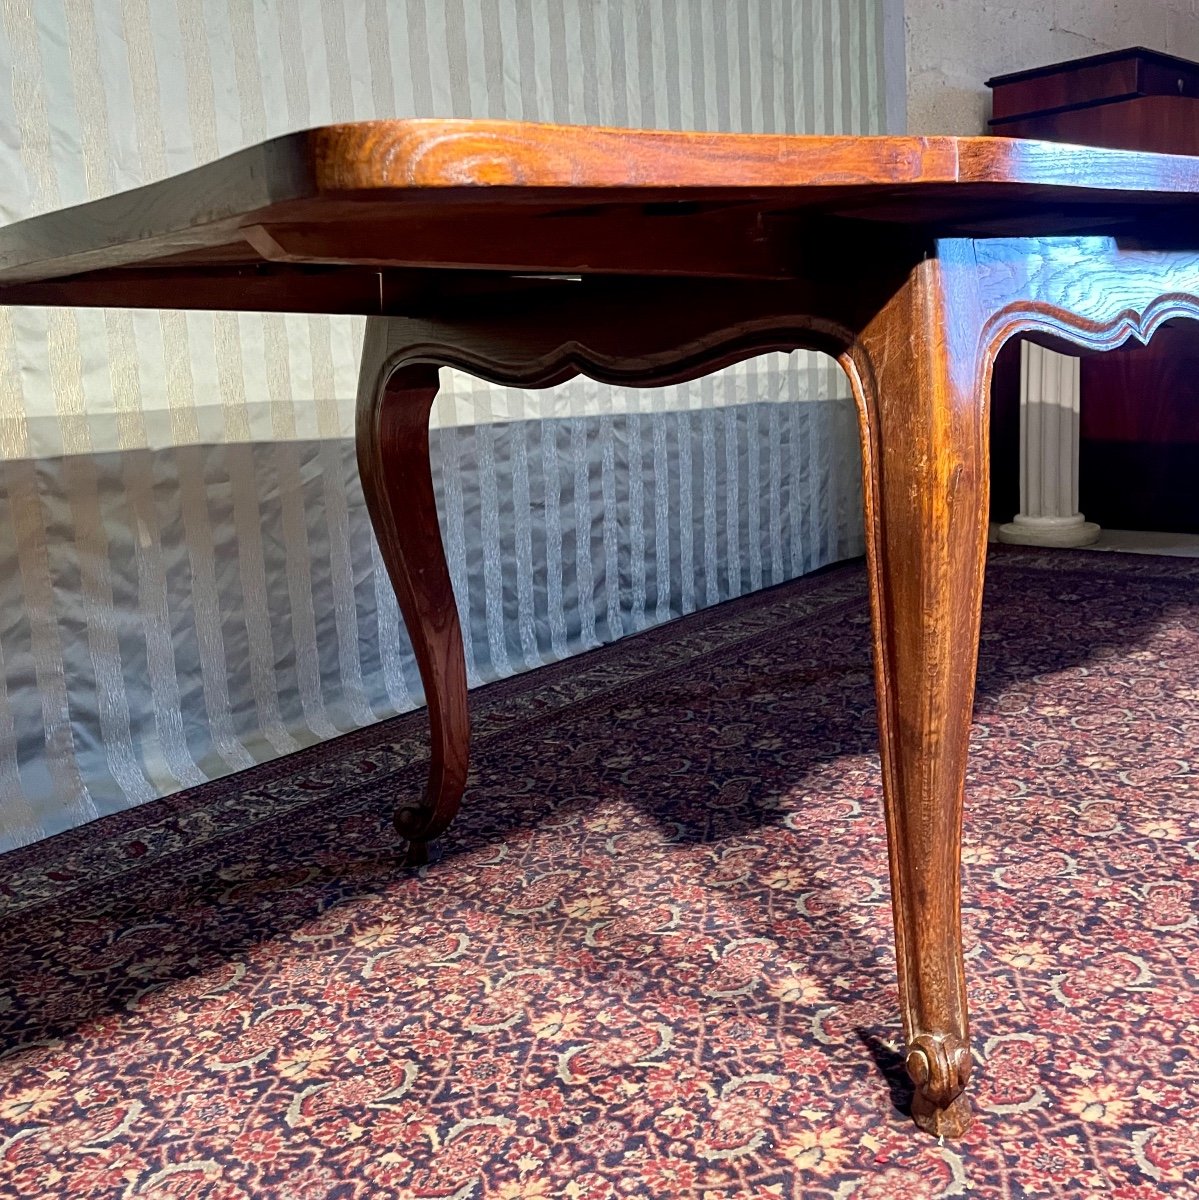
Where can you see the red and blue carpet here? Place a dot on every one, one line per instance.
(656, 959)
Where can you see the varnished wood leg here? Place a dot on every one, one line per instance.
(393, 460)
(920, 378)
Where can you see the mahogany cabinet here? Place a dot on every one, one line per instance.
(1139, 437)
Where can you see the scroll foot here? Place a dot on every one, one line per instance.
(423, 848)
(940, 1066)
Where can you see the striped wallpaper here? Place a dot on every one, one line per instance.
(188, 583)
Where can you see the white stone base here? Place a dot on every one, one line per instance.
(1049, 531)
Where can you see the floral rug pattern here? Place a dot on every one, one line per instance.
(656, 957)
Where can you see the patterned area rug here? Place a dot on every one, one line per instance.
(656, 958)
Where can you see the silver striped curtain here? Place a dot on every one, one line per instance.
(188, 582)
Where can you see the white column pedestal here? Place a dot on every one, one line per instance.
(1049, 407)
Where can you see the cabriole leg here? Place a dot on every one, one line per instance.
(393, 460)
(920, 379)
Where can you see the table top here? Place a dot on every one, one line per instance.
(335, 219)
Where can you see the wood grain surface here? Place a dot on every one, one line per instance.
(432, 195)
(920, 369)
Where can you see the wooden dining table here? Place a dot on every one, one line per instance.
(528, 254)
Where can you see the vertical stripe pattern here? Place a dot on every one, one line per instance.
(189, 583)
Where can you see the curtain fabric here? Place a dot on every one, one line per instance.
(188, 581)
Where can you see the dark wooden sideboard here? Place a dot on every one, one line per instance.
(1133, 99)
(1139, 432)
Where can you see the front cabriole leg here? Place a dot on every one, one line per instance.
(920, 374)
(393, 460)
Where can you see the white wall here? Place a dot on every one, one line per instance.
(953, 46)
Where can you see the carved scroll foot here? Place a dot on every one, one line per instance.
(393, 459)
(940, 1066)
(919, 371)
(412, 824)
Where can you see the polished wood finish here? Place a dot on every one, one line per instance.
(1139, 436)
(926, 489)
(381, 196)
(393, 461)
(1138, 441)
(1134, 99)
(1095, 80)
(646, 258)
(1165, 124)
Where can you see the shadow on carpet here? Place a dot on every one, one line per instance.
(656, 958)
